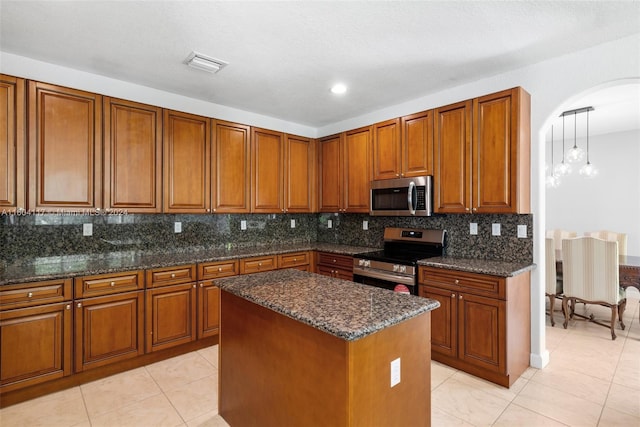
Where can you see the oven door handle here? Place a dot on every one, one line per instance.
(405, 280)
(411, 190)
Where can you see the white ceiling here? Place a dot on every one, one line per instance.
(284, 56)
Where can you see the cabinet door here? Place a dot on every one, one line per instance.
(444, 320)
(65, 148)
(108, 329)
(387, 161)
(36, 345)
(208, 309)
(496, 153)
(132, 156)
(357, 170)
(186, 163)
(170, 316)
(330, 179)
(452, 163)
(12, 140)
(231, 168)
(267, 177)
(417, 144)
(299, 170)
(482, 332)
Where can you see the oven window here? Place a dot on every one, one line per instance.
(379, 283)
(385, 199)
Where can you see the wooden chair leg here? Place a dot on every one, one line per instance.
(613, 321)
(552, 299)
(565, 310)
(622, 305)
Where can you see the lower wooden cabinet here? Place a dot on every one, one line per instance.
(108, 329)
(258, 264)
(208, 309)
(170, 316)
(333, 265)
(483, 323)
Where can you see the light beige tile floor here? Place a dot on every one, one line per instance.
(590, 381)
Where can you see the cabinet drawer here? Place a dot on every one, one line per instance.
(479, 284)
(257, 264)
(29, 294)
(215, 270)
(171, 276)
(341, 261)
(105, 284)
(293, 260)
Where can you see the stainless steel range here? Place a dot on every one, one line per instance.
(397, 263)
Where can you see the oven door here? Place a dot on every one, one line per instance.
(384, 280)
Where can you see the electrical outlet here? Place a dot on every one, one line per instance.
(329, 223)
(495, 229)
(395, 372)
(243, 225)
(177, 227)
(87, 229)
(473, 228)
(522, 231)
(293, 223)
(365, 225)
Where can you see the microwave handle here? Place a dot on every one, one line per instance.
(412, 189)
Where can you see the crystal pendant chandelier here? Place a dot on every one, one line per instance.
(562, 168)
(575, 154)
(552, 180)
(588, 170)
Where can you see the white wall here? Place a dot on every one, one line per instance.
(553, 84)
(610, 201)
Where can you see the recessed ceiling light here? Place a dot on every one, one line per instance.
(204, 62)
(339, 89)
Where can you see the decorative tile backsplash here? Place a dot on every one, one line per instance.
(24, 237)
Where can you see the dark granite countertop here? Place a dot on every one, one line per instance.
(483, 266)
(345, 309)
(56, 267)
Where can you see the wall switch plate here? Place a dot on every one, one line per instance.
(473, 228)
(395, 372)
(495, 229)
(522, 231)
(177, 227)
(293, 223)
(87, 229)
(365, 225)
(329, 223)
(243, 225)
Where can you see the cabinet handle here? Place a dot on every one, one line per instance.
(30, 294)
(173, 275)
(68, 307)
(79, 305)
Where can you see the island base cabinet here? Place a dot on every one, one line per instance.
(170, 316)
(36, 345)
(283, 372)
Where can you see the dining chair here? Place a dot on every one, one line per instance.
(621, 238)
(553, 285)
(558, 235)
(590, 269)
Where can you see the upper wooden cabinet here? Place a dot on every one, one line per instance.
(330, 192)
(65, 148)
(403, 147)
(482, 160)
(231, 167)
(267, 177)
(132, 156)
(299, 174)
(12, 142)
(187, 163)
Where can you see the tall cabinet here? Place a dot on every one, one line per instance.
(12, 142)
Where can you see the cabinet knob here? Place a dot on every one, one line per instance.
(194, 285)
(398, 175)
(202, 285)
(208, 210)
(259, 264)
(466, 209)
(474, 209)
(68, 307)
(294, 260)
(460, 297)
(453, 295)
(334, 260)
(112, 284)
(173, 275)
(456, 281)
(30, 294)
(79, 305)
(213, 209)
(220, 269)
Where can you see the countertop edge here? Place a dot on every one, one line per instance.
(490, 267)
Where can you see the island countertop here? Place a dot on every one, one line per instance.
(341, 308)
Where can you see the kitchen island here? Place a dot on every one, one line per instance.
(298, 348)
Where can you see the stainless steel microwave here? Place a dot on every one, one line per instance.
(402, 197)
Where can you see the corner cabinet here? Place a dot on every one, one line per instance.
(482, 154)
(65, 149)
(12, 142)
(231, 167)
(483, 323)
(187, 163)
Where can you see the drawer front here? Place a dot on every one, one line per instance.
(105, 284)
(342, 261)
(255, 265)
(215, 270)
(293, 259)
(171, 276)
(30, 294)
(478, 284)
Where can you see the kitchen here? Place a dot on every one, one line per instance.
(347, 228)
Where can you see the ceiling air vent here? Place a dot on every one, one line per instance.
(204, 62)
